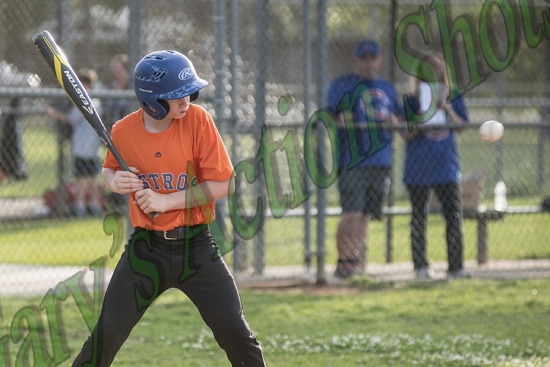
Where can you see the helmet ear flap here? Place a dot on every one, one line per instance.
(164, 106)
(160, 111)
(194, 96)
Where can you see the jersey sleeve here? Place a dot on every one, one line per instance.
(214, 161)
(460, 108)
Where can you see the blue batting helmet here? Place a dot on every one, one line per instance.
(164, 75)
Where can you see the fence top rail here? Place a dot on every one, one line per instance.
(25, 92)
(11, 92)
(52, 92)
(406, 210)
(129, 93)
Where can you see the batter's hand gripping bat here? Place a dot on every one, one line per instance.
(72, 85)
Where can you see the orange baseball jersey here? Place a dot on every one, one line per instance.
(189, 152)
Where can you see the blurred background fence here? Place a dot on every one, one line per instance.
(269, 64)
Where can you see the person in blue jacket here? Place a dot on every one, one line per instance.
(362, 104)
(432, 164)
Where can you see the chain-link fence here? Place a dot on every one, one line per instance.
(270, 65)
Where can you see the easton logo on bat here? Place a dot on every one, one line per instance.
(87, 106)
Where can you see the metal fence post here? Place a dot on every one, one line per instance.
(240, 250)
(262, 42)
(321, 87)
(307, 112)
(389, 218)
(134, 34)
(219, 25)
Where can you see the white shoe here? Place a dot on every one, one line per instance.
(424, 273)
(458, 274)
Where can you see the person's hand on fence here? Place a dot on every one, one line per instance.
(57, 115)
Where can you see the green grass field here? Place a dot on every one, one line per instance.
(79, 242)
(463, 323)
(72, 242)
(460, 324)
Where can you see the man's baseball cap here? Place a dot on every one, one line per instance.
(367, 47)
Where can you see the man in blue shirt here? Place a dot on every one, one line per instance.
(362, 104)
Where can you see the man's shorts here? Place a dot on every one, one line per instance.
(85, 167)
(364, 190)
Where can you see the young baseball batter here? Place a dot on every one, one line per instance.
(179, 168)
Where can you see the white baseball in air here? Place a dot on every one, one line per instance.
(491, 130)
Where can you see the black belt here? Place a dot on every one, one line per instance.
(180, 233)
